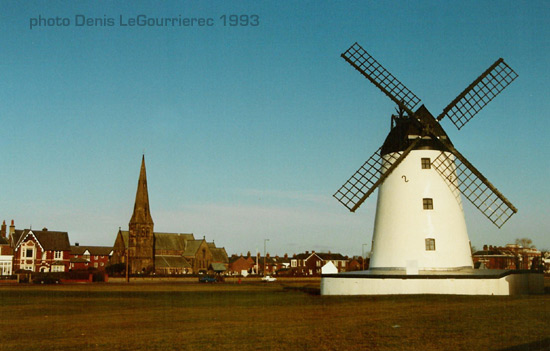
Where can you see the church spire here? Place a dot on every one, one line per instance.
(142, 213)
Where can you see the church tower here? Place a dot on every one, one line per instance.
(141, 250)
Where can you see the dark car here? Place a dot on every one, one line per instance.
(207, 279)
(46, 279)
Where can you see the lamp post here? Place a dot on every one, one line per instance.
(265, 241)
(363, 255)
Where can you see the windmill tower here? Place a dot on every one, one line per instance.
(420, 176)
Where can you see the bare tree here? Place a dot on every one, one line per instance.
(525, 243)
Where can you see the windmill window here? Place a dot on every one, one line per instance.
(428, 203)
(426, 163)
(430, 244)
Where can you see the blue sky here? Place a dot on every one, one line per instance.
(248, 131)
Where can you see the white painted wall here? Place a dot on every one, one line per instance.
(402, 225)
(513, 284)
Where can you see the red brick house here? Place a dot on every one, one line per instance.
(275, 264)
(40, 250)
(511, 256)
(240, 264)
(90, 257)
(311, 263)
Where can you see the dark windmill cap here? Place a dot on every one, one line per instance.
(408, 129)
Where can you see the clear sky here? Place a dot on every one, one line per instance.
(248, 131)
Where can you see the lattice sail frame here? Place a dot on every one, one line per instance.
(478, 94)
(363, 182)
(382, 78)
(489, 201)
(469, 181)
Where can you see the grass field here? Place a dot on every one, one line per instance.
(262, 317)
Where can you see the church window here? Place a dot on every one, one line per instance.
(428, 203)
(430, 244)
(426, 163)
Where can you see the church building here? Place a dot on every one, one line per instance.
(162, 253)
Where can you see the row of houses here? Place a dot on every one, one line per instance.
(45, 251)
(511, 256)
(302, 264)
(50, 251)
(177, 254)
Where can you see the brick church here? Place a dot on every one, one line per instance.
(162, 253)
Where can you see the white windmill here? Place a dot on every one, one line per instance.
(420, 233)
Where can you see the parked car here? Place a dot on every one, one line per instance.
(269, 278)
(46, 279)
(207, 279)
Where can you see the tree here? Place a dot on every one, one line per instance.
(525, 243)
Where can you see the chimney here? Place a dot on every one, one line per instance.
(76, 244)
(12, 228)
(3, 230)
(44, 229)
(286, 255)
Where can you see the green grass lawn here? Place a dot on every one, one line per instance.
(261, 317)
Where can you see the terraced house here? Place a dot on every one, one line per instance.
(90, 257)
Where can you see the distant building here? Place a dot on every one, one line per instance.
(40, 250)
(162, 253)
(239, 265)
(90, 257)
(511, 256)
(6, 252)
(311, 263)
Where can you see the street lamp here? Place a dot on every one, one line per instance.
(265, 241)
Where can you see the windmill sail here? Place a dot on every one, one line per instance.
(379, 76)
(369, 176)
(478, 94)
(475, 187)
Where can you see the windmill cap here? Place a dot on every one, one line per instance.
(407, 129)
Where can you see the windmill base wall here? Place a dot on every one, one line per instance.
(474, 282)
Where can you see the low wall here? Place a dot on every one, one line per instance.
(195, 279)
(507, 283)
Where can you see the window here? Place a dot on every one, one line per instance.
(318, 263)
(430, 244)
(58, 268)
(29, 253)
(58, 255)
(426, 163)
(27, 267)
(428, 203)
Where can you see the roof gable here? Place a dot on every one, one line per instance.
(53, 241)
(219, 254)
(192, 246)
(48, 240)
